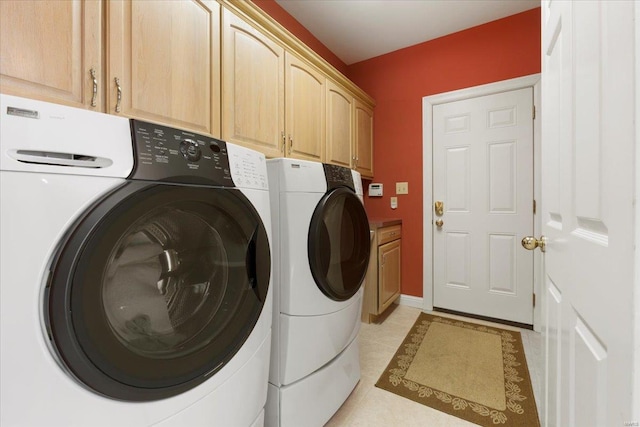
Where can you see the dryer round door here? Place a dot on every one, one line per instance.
(156, 288)
(338, 244)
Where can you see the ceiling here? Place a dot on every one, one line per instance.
(356, 30)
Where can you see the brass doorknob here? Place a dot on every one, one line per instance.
(530, 243)
(439, 223)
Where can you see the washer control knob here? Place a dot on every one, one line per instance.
(190, 150)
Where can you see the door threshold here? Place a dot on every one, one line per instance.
(485, 318)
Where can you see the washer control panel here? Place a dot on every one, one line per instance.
(338, 176)
(168, 154)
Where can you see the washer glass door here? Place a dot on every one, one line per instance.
(157, 287)
(338, 244)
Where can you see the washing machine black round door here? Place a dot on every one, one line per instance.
(156, 288)
(338, 244)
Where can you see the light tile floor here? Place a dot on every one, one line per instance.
(371, 407)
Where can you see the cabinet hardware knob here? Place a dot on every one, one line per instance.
(94, 97)
(119, 96)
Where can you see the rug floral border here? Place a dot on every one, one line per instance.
(520, 411)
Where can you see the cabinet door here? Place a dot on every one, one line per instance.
(47, 49)
(388, 274)
(305, 110)
(166, 57)
(339, 125)
(253, 88)
(363, 139)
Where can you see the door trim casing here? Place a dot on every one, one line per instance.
(428, 103)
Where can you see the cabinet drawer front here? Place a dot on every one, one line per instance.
(388, 234)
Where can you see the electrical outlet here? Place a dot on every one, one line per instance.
(394, 202)
(402, 188)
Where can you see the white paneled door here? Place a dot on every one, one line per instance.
(588, 177)
(483, 175)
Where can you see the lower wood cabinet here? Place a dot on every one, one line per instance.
(384, 277)
(388, 274)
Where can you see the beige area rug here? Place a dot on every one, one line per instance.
(474, 372)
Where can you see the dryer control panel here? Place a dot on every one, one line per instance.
(338, 176)
(173, 155)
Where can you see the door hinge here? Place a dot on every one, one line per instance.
(534, 207)
(534, 112)
(534, 300)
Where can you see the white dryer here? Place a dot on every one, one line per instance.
(135, 280)
(321, 251)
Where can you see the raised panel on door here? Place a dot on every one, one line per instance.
(588, 197)
(305, 110)
(339, 125)
(166, 57)
(552, 343)
(483, 173)
(47, 49)
(363, 140)
(253, 88)
(389, 262)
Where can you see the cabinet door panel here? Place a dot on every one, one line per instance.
(388, 273)
(363, 139)
(253, 87)
(305, 110)
(166, 57)
(339, 125)
(47, 49)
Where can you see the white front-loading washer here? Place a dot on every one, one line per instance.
(135, 279)
(321, 252)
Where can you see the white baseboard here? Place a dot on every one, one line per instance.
(410, 300)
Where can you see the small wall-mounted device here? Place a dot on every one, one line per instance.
(375, 190)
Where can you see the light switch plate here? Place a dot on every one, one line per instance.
(402, 188)
(394, 202)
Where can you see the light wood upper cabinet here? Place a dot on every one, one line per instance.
(47, 49)
(363, 139)
(166, 57)
(305, 110)
(339, 125)
(253, 87)
(218, 67)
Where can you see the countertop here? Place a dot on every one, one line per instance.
(375, 223)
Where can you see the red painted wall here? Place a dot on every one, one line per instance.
(283, 17)
(499, 50)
